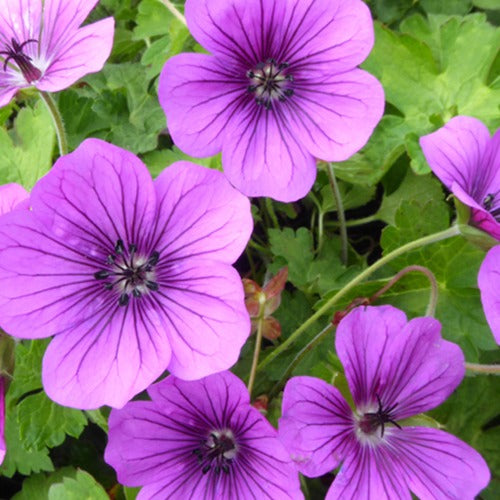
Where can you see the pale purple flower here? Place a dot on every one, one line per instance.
(131, 276)
(280, 89)
(488, 281)
(395, 369)
(467, 161)
(42, 44)
(200, 439)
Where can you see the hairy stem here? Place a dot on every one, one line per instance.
(62, 140)
(486, 369)
(340, 212)
(173, 9)
(431, 307)
(258, 345)
(325, 308)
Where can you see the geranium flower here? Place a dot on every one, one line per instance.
(199, 439)
(42, 45)
(132, 277)
(280, 89)
(467, 161)
(395, 369)
(488, 279)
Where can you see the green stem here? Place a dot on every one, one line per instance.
(272, 213)
(258, 345)
(57, 120)
(300, 355)
(486, 369)
(171, 7)
(356, 222)
(340, 212)
(426, 240)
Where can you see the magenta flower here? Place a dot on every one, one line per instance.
(280, 89)
(467, 161)
(42, 45)
(132, 277)
(199, 439)
(488, 279)
(395, 369)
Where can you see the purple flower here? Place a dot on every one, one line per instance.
(199, 439)
(280, 89)
(42, 45)
(467, 161)
(395, 369)
(488, 279)
(132, 277)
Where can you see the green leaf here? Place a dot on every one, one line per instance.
(423, 188)
(18, 458)
(389, 11)
(487, 4)
(447, 7)
(82, 487)
(41, 422)
(435, 69)
(153, 19)
(37, 485)
(27, 149)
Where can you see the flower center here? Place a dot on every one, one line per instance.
(490, 205)
(23, 61)
(217, 451)
(370, 422)
(129, 273)
(270, 81)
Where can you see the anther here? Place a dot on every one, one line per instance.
(205, 469)
(123, 300)
(136, 293)
(152, 285)
(153, 259)
(289, 92)
(119, 248)
(250, 74)
(101, 275)
(132, 248)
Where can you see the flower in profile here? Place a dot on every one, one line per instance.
(467, 161)
(488, 279)
(395, 369)
(131, 276)
(199, 439)
(267, 297)
(42, 45)
(280, 89)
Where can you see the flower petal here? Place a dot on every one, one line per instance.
(107, 359)
(60, 19)
(368, 473)
(201, 303)
(409, 366)
(488, 279)
(335, 117)
(13, 196)
(200, 214)
(264, 157)
(95, 196)
(3, 446)
(436, 464)
(19, 20)
(455, 153)
(317, 425)
(199, 94)
(83, 51)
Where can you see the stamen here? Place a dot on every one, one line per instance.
(123, 300)
(101, 275)
(119, 248)
(23, 61)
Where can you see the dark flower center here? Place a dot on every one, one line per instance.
(270, 81)
(129, 273)
(15, 52)
(370, 422)
(217, 451)
(490, 204)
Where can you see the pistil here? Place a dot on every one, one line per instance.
(15, 51)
